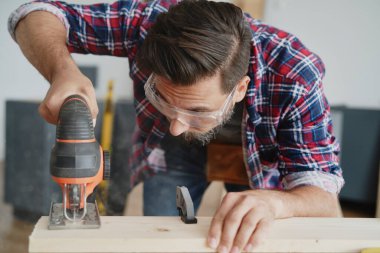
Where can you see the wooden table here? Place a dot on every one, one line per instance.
(378, 197)
(169, 234)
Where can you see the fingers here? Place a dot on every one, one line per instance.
(259, 234)
(239, 224)
(89, 95)
(49, 108)
(248, 225)
(218, 219)
(47, 114)
(58, 92)
(232, 223)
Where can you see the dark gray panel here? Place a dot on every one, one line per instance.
(360, 154)
(124, 124)
(28, 185)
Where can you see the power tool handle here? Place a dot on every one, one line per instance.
(75, 120)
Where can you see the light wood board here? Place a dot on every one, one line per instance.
(169, 234)
(378, 197)
(253, 7)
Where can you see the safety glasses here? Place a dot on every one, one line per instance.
(197, 120)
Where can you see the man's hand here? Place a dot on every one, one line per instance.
(42, 39)
(241, 221)
(63, 87)
(244, 218)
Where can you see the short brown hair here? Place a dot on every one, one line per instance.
(197, 39)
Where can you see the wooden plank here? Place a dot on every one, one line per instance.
(253, 7)
(378, 197)
(169, 234)
(134, 202)
(211, 199)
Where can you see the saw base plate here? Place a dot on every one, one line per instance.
(57, 219)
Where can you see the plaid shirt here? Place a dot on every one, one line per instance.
(287, 131)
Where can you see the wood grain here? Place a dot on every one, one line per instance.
(169, 234)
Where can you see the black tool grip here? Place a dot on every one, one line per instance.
(76, 153)
(75, 120)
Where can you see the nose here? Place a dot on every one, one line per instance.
(177, 127)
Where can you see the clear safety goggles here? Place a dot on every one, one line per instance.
(197, 120)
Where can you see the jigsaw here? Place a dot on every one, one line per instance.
(78, 164)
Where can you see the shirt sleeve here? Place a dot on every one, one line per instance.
(103, 29)
(308, 149)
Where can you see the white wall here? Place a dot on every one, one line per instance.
(346, 35)
(19, 80)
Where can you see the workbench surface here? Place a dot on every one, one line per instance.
(170, 234)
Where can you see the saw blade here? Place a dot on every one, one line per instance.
(57, 219)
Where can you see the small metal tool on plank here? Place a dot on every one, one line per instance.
(185, 205)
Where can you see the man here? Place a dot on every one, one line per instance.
(202, 72)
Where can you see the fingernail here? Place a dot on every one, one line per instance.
(248, 247)
(235, 249)
(222, 249)
(212, 243)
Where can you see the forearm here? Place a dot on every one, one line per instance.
(305, 201)
(42, 38)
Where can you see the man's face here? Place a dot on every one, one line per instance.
(205, 96)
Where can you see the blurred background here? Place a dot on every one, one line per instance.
(345, 34)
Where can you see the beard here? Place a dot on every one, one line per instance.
(205, 138)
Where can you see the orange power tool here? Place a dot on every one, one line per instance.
(78, 164)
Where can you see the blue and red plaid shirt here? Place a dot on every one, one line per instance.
(287, 137)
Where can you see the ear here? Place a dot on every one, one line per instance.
(241, 90)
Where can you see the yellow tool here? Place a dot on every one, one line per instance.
(371, 250)
(106, 141)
